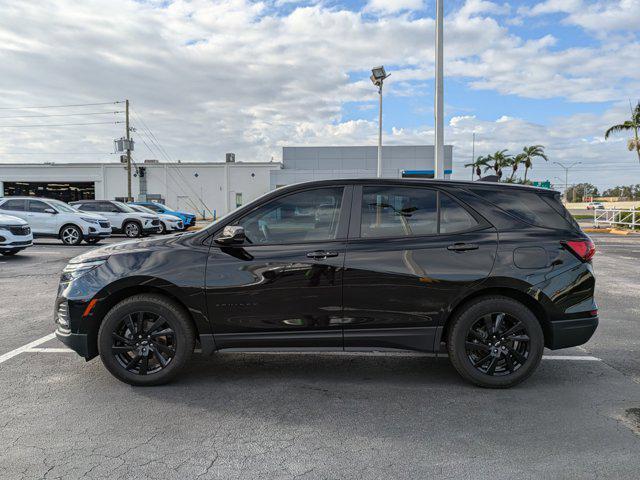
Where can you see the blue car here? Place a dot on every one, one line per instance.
(189, 219)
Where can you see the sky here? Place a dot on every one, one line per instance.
(209, 77)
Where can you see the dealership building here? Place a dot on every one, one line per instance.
(221, 186)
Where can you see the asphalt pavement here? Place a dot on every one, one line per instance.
(317, 416)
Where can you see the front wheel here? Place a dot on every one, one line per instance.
(132, 229)
(71, 235)
(495, 342)
(146, 340)
(10, 252)
(162, 229)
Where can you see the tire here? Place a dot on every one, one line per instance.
(163, 229)
(71, 235)
(93, 241)
(132, 229)
(10, 253)
(175, 347)
(482, 354)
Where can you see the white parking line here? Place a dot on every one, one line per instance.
(24, 348)
(581, 358)
(48, 350)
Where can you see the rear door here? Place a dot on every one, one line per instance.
(412, 251)
(283, 286)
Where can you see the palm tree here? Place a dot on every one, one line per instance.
(477, 165)
(500, 160)
(515, 163)
(528, 154)
(633, 124)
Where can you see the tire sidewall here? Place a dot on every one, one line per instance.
(464, 321)
(184, 336)
(163, 228)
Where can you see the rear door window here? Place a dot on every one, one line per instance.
(16, 205)
(540, 209)
(454, 217)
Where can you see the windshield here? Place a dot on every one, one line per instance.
(142, 209)
(124, 207)
(61, 206)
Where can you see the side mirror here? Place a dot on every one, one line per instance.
(231, 235)
(50, 210)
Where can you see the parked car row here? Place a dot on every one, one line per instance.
(22, 218)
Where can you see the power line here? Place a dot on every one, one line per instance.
(65, 114)
(58, 153)
(62, 106)
(60, 124)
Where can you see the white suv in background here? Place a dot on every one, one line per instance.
(53, 218)
(123, 218)
(168, 223)
(15, 235)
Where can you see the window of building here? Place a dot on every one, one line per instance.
(306, 216)
(238, 200)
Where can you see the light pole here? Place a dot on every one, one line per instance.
(566, 176)
(378, 76)
(439, 94)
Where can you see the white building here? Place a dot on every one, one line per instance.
(221, 186)
(300, 164)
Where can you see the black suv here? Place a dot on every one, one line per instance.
(488, 273)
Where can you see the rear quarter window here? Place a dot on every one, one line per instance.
(536, 208)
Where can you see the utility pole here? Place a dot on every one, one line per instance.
(439, 94)
(379, 166)
(129, 198)
(566, 178)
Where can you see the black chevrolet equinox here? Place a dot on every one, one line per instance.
(487, 273)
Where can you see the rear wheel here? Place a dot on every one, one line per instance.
(146, 340)
(132, 229)
(495, 342)
(71, 235)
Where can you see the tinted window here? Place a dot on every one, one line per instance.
(38, 206)
(306, 216)
(398, 211)
(87, 207)
(154, 207)
(530, 207)
(15, 205)
(453, 217)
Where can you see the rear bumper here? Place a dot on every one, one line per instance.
(75, 341)
(571, 333)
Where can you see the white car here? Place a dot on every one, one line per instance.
(123, 218)
(168, 223)
(15, 235)
(595, 206)
(53, 218)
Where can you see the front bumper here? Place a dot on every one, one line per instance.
(571, 333)
(15, 245)
(75, 341)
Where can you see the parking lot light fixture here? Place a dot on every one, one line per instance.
(378, 75)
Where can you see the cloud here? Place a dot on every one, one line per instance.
(239, 75)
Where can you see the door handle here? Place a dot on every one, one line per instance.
(462, 247)
(321, 254)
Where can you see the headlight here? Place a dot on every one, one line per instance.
(76, 270)
(89, 220)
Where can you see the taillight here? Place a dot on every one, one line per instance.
(583, 249)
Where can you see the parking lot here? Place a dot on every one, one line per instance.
(317, 415)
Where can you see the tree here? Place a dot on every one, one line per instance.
(634, 125)
(528, 155)
(477, 165)
(580, 191)
(497, 161)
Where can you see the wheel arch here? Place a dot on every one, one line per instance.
(507, 292)
(111, 298)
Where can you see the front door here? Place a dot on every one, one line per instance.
(283, 286)
(41, 222)
(412, 251)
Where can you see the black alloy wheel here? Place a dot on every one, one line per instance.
(495, 342)
(143, 343)
(146, 339)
